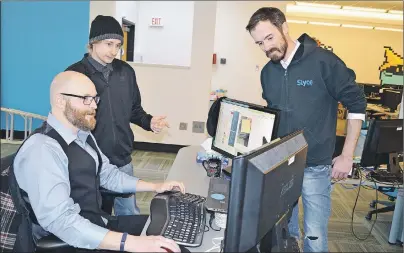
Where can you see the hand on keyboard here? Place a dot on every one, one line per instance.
(170, 186)
(178, 216)
(151, 244)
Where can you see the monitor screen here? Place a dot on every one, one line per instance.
(242, 127)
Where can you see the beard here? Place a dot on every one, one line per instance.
(277, 54)
(78, 117)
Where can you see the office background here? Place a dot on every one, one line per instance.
(40, 39)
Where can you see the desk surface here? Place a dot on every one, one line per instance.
(378, 108)
(193, 175)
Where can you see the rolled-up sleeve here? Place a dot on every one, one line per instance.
(41, 169)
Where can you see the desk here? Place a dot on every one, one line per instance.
(193, 175)
(377, 108)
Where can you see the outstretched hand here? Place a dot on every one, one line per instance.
(158, 123)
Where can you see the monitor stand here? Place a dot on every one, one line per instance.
(278, 239)
(394, 163)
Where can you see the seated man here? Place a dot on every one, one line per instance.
(61, 168)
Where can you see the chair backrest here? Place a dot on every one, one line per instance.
(6, 162)
(16, 225)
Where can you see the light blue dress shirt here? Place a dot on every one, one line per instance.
(41, 170)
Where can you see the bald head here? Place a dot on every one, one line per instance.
(70, 82)
(74, 100)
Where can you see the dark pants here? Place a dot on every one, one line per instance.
(131, 224)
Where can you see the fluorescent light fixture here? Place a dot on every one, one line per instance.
(396, 12)
(323, 23)
(389, 29)
(296, 21)
(362, 9)
(341, 12)
(357, 26)
(318, 5)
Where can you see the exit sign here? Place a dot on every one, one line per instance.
(156, 22)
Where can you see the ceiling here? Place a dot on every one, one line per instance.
(388, 5)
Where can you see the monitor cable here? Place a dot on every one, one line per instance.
(353, 210)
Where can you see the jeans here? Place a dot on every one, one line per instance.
(316, 196)
(126, 206)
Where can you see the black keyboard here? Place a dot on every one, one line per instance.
(178, 216)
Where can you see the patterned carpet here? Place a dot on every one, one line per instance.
(153, 166)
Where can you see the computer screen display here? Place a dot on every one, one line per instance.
(243, 127)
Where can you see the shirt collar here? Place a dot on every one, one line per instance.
(67, 134)
(285, 63)
(98, 66)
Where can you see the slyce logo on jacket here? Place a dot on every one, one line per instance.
(304, 83)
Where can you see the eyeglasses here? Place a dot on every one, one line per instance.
(86, 99)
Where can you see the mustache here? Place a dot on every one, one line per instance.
(90, 113)
(272, 50)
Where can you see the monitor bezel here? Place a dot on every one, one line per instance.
(275, 112)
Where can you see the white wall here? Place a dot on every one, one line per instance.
(128, 10)
(170, 44)
(182, 94)
(232, 41)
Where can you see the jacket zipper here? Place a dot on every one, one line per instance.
(112, 115)
(287, 99)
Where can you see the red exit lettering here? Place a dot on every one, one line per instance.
(156, 21)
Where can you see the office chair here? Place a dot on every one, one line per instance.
(51, 243)
(389, 205)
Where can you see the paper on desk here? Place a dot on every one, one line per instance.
(207, 144)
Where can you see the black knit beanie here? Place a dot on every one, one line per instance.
(105, 27)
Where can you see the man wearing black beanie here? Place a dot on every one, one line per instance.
(120, 101)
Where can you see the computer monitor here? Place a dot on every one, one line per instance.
(384, 140)
(392, 98)
(371, 90)
(266, 184)
(242, 127)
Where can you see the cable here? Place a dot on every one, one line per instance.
(216, 245)
(353, 210)
(212, 217)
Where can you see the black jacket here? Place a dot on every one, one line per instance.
(308, 92)
(120, 105)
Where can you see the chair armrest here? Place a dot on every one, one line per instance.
(109, 193)
(51, 243)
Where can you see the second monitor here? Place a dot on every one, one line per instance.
(243, 126)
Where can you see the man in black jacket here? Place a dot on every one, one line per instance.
(306, 83)
(120, 102)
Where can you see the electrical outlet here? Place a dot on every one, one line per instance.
(183, 126)
(198, 127)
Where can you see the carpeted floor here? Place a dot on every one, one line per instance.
(153, 166)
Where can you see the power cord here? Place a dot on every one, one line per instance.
(353, 210)
(218, 245)
(212, 217)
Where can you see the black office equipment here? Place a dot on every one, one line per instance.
(178, 216)
(218, 195)
(383, 144)
(242, 127)
(392, 98)
(266, 184)
(371, 90)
